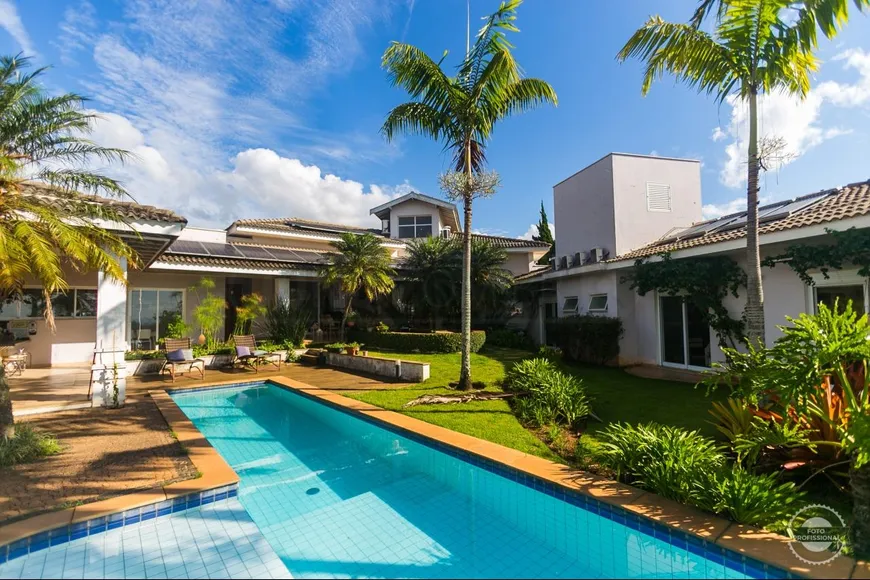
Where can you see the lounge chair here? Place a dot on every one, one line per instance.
(180, 354)
(250, 356)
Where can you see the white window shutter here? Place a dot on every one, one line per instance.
(658, 197)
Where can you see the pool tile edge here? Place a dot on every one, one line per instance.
(765, 547)
(217, 478)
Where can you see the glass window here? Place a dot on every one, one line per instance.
(415, 226)
(151, 313)
(598, 303)
(63, 304)
(86, 303)
(570, 305)
(828, 295)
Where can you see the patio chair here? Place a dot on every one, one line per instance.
(180, 354)
(248, 355)
(14, 361)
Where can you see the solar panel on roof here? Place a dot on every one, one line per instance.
(221, 250)
(187, 247)
(783, 211)
(255, 253)
(285, 255)
(310, 257)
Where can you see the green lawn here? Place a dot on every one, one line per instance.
(618, 395)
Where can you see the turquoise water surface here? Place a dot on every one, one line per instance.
(336, 496)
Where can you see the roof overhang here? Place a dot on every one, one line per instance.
(294, 272)
(306, 236)
(789, 235)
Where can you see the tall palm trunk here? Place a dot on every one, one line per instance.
(7, 421)
(346, 314)
(465, 369)
(754, 290)
(860, 530)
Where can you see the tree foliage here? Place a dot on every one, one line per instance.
(705, 282)
(545, 235)
(846, 248)
(44, 218)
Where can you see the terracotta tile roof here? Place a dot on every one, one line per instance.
(533, 274)
(827, 206)
(503, 242)
(127, 209)
(302, 226)
(242, 264)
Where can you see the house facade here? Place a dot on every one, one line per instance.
(626, 207)
(275, 257)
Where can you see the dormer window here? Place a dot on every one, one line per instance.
(415, 226)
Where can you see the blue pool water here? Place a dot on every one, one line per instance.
(337, 496)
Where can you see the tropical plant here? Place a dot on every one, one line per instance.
(547, 395)
(287, 321)
(250, 309)
(545, 235)
(359, 264)
(174, 325)
(755, 47)
(44, 220)
(816, 377)
(747, 498)
(733, 418)
(210, 310)
(29, 444)
(524, 375)
(461, 111)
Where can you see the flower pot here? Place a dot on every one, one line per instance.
(201, 339)
(351, 323)
(351, 350)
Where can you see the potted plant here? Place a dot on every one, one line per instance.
(352, 348)
(351, 319)
(335, 347)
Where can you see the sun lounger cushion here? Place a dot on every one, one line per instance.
(188, 353)
(243, 351)
(259, 353)
(176, 355)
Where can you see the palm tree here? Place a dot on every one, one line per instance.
(433, 266)
(44, 221)
(490, 281)
(756, 47)
(461, 111)
(360, 264)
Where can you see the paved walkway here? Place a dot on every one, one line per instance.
(66, 388)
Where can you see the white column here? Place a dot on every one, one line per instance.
(109, 372)
(282, 289)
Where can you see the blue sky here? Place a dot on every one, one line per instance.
(236, 108)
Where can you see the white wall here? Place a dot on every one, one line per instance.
(521, 262)
(636, 226)
(585, 286)
(414, 207)
(584, 210)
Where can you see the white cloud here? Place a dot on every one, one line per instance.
(713, 210)
(533, 231)
(796, 122)
(209, 102)
(10, 21)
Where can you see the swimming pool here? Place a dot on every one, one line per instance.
(339, 496)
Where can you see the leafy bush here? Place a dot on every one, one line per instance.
(507, 338)
(144, 354)
(687, 467)
(550, 353)
(732, 419)
(335, 347)
(382, 327)
(219, 348)
(287, 321)
(747, 498)
(549, 395)
(425, 342)
(587, 338)
(27, 445)
(666, 460)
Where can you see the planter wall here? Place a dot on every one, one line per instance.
(411, 371)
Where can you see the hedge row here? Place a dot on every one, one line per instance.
(425, 342)
(587, 338)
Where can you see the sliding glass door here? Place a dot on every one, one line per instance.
(151, 312)
(684, 336)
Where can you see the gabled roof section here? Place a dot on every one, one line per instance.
(302, 226)
(126, 209)
(449, 213)
(507, 243)
(823, 207)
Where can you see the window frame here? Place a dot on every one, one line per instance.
(75, 303)
(416, 224)
(592, 297)
(158, 290)
(575, 309)
(836, 278)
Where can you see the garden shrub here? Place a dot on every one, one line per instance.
(27, 445)
(587, 338)
(287, 321)
(506, 338)
(425, 342)
(687, 467)
(548, 394)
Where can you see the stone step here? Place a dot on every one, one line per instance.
(309, 359)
